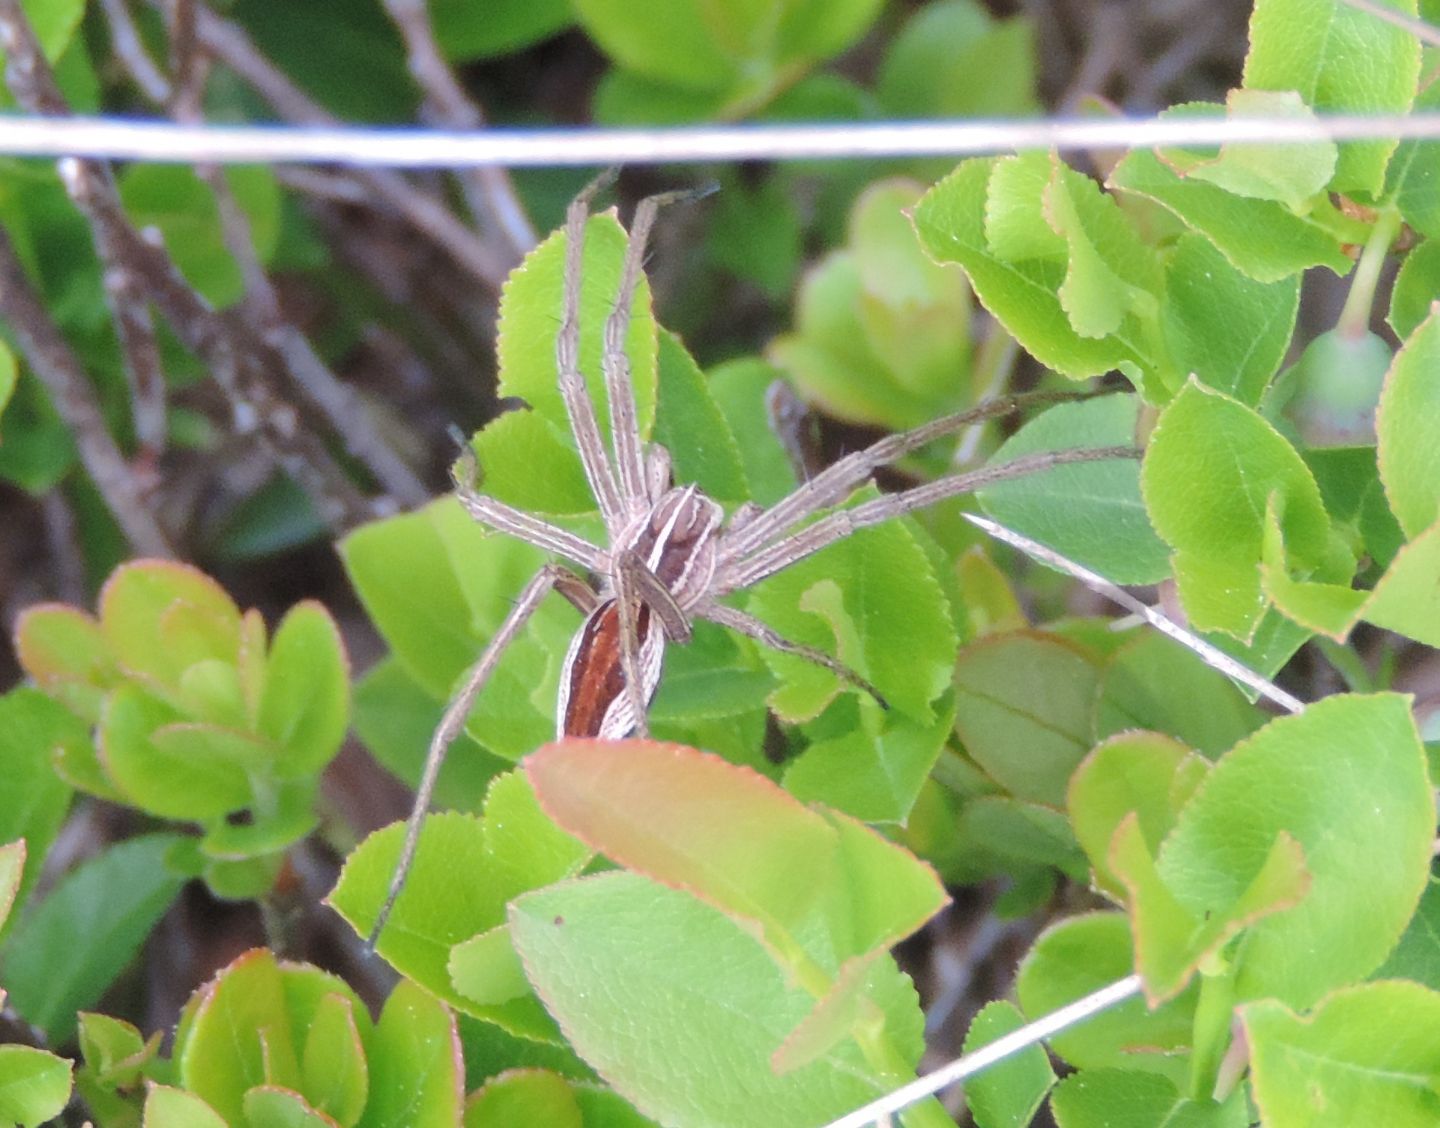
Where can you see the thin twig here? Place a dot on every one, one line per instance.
(240, 366)
(983, 1058)
(1211, 655)
(335, 400)
(228, 42)
(125, 41)
(57, 366)
(488, 191)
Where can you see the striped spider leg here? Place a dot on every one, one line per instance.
(670, 555)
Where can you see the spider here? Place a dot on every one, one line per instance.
(672, 556)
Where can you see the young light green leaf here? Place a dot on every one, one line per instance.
(12, 869)
(1023, 708)
(417, 1074)
(1262, 238)
(1348, 1061)
(270, 1106)
(951, 221)
(335, 1078)
(54, 23)
(1417, 286)
(167, 1107)
(681, 978)
(1341, 59)
(1412, 178)
(1082, 954)
(1289, 173)
(1009, 1095)
(1406, 424)
(874, 769)
(1147, 773)
(1130, 1098)
(9, 374)
(34, 1086)
(160, 617)
(305, 705)
(1407, 598)
(1091, 512)
(693, 430)
(1206, 439)
(1347, 779)
(844, 601)
(65, 953)
(32, 729)
(1221, 326)
(524, 1096)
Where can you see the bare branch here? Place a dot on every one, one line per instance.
(125, 40)
(488, 191)
(229, 43)
(52, 359)
(335, 400)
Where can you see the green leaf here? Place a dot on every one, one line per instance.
(738, 842)
(1417, 955)
(952, 60)
(1091, 512)
(845, 601)
(12, 869)
(1008, 1095)
(305, 706)
(1412, 179)
(173, 200)
(465, 32)
(9, 375)
(1417, 287)
(1217, 532)
(193, 772)
(1152, 682)
(32, 729)
(740, 389)
(54, 23)
(417, 1078)
(1406, 424)
(175, 1108)
(65, 953)
(1346, 778)
(114, 1051)
(1407, 598)
(1339, 59)
(1118, 1098)
(530, 1096)
(530, 308)
(1349, 1061)
(1290, 173)
(249, 1025)
(64, 651)
(1261, 238)
(334, 1075)
(269, 1106)
(1147, 773)
(34, 1086)
(395, 719)
(1224, 327)
(1023, 707)
(1082, 954)
(160, 617)
(691, 427)
(951, 221)
(1021, 834)
(681, 979)
(872, 770)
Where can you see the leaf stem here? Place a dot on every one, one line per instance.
(1354, 320)
(1213, 1015)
